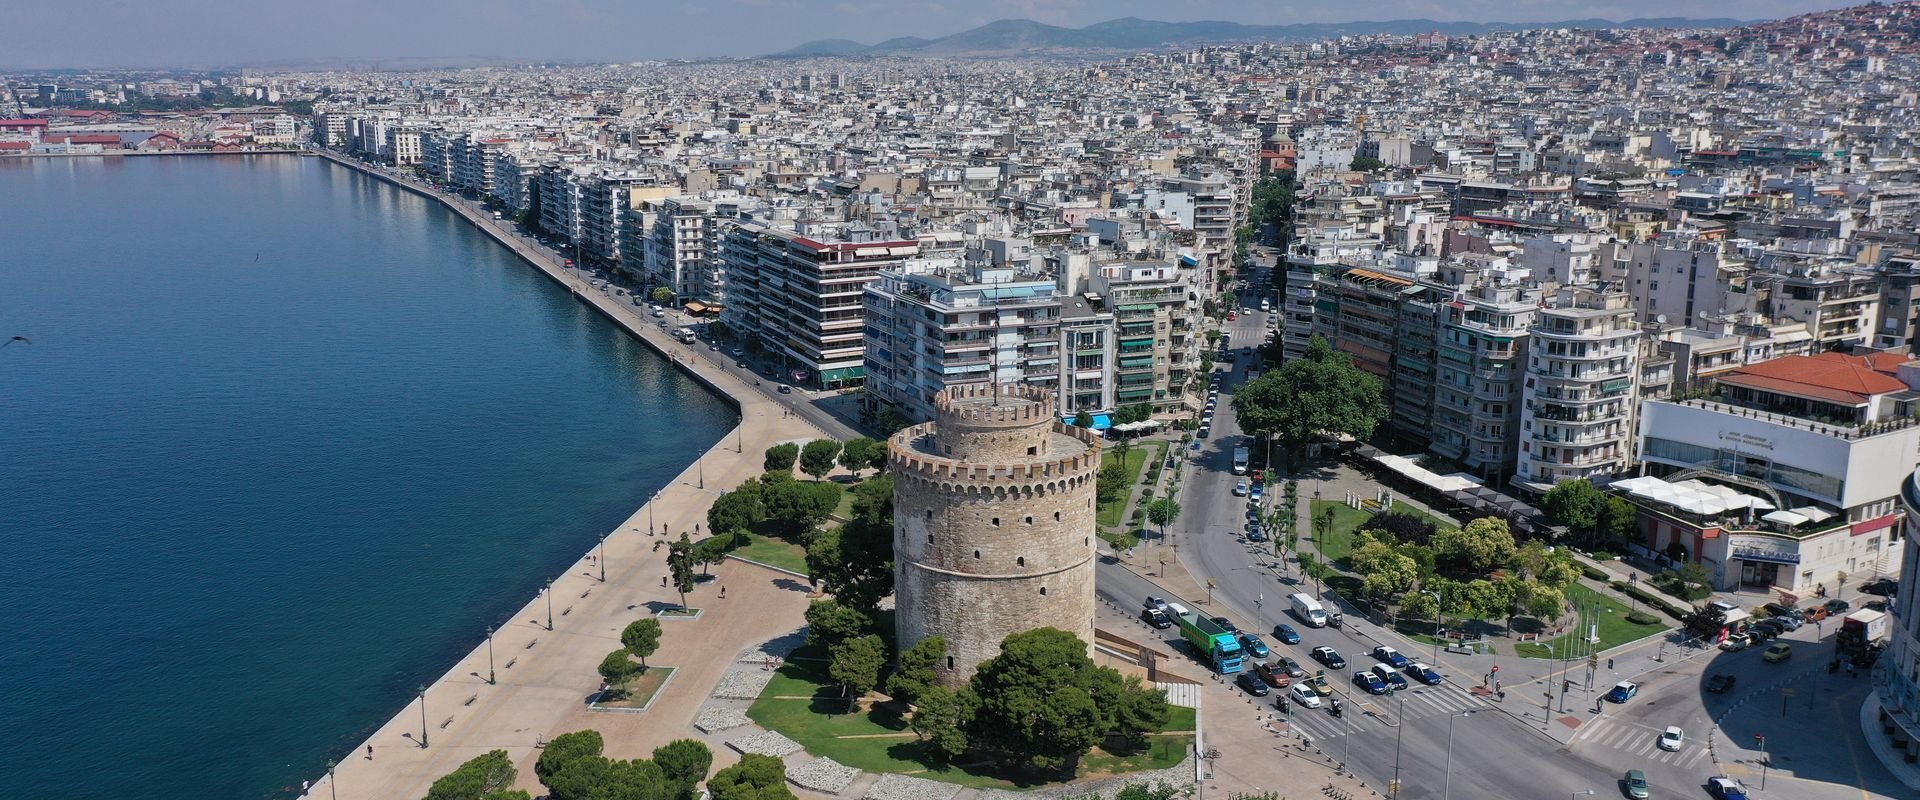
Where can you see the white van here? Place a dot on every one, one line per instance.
(1308, 610)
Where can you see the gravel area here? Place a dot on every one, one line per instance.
(777, 648)
(743, 683)
(823, 775)
(1178, 775)
(713, 720)
(766, 743)
(907, 787)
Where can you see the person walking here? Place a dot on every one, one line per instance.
(369, 752)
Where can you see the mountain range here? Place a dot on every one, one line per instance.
(1131, 33)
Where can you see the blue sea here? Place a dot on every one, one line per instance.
(283, 441)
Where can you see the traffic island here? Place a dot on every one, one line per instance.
(636, 693)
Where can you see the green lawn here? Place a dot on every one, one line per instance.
(1339, 540)
(639, 690)
(801, 703)
(1615, 630)
(774, 552)
(1114, 513)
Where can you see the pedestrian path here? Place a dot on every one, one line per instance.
(1415, 703)
(1641, 741)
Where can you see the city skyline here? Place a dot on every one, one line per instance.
(96, 34)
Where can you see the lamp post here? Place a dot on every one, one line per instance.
(490, 678)
(1436, 625)
(1446, 789)
(603, 558)
(549, 604)
(332, 788)
(1399, 728)
(651, 502)
(740, 436)
(701, 462)
(423, 716)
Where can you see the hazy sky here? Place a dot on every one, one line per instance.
(61, 33)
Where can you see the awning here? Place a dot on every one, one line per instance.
(1814, 513)
(1422, 475)
(1784, 518)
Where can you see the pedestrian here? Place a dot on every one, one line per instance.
(723, 592)
(369, 752)
(304, 785)
(663, 581)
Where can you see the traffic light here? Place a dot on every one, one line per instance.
(1760, 741)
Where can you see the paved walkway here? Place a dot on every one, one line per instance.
(546, 677)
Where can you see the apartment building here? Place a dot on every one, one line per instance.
(934, 323)
(1388, 322)
(1156, 316)
(680, 236)
(1577, 417)
(1482, 356)
(798, 292)
(1823, 443)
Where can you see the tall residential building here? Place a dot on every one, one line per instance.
(1578, 394)
(799, 293)
(1088, 351)
(933, 323)
(1482, 356)
(1156, 314)
(1387, 320)
(681, 237)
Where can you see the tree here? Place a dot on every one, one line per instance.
(1393, 574)
(795, 509)
(712, 550)
(1366, 164)
(1542, 602)
(1083, 419)
(1129, 709)
(854, 562)
(780, 457)
(601, 778)
(1318, 393)
(1705, 622)
(916, 673)
(1137, 412)
(1402, 525)
(855, 664)
(680, 560)
(755, 777)
(641, 638)
(1420, 604)
(616, 668)
(1111, 483)
(565, 749)
(830, 622)
(743, 508)
(662, 295)
(1162, 512)
(1036, 701)
(817, 457)
(940, 719)
(858, 454)
(1577, 504)
(1476, 547)
(483, 778)
(1619, 519)
(685, 763)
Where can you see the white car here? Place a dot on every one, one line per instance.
(1304, 694)
(1670, 740)
(1240, 489)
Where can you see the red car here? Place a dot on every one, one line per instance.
(1232, 316)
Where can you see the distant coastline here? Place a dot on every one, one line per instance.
(277, 151)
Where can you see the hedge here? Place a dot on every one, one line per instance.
(1639, 594)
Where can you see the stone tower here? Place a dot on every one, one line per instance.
(993, 533)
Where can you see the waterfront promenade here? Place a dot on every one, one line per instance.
(544, 657)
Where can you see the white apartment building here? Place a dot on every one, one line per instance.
(1825, 441)
(1577, 416)
(1156, 314)
(934, 323)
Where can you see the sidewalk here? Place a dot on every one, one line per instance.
(546, 677)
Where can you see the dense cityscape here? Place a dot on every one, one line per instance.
(1549, 369)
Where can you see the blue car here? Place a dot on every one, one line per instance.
(1424, 674)
(1726, 789)
(1370, 682)
(1286, 634)
(1253, 645)
(1623, 691)
(1391, 657)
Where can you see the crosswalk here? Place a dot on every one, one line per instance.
(1642, 741)
(1415, 702)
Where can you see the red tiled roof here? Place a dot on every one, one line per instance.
(1833, 377)
(16, 145)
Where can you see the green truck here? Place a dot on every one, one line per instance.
(1216, 645)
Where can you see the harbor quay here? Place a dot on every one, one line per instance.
(534, 676)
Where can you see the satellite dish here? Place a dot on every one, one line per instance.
(1660, 318)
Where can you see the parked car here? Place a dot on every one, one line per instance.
(1671, 738)
(1781, 610)
(1757, 634)
(1251, 684)
(1256, 535)
(1254, 495)
(1252, 644)
(1320, 685)
(1369, 682)
(1637, 785)
(786, 389)
(1836, 607)
(1286, 634)
(1391, 657)
(1720, 684)
(1274, 674)
(1776, 652)
(1155, 601)
(1726, 789)
(1424, 674)
(1329, 656)
(1623, 691)
(1304, 695)
(1789, 622)
(1156, 618)
(1226, 624)
(1885, 587)
(1736, 642)
(1875, 605)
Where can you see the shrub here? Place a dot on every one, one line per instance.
(1594, 573)
(1642, 618)
(1146, 494)
(1602, 555)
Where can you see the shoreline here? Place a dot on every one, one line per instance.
(560, 662)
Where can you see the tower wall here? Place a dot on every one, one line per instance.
(1000, 542)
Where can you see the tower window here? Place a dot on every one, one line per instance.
(949, 662)
(929, 513)
(996, 522)
(1029, 520)
(976, 554)
(1033, 451)
(1021, 561)
(1056, 516)
(1043, 591)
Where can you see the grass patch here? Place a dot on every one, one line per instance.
(1611, 616)
(845, 509)
(773, 552)
(1121, 539)
(638, 691)
(802, 703)
(1338, 541)
(681, 612)
(1182, 719)
(1136, 457)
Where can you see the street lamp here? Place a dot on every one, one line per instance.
(1436, 625)
(701, 462)
(332, 788)
(1447, 787)
(549, 604)
(490, 678)
(603, 558)
(423, 716)
(651, 502)
(1399, 728)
